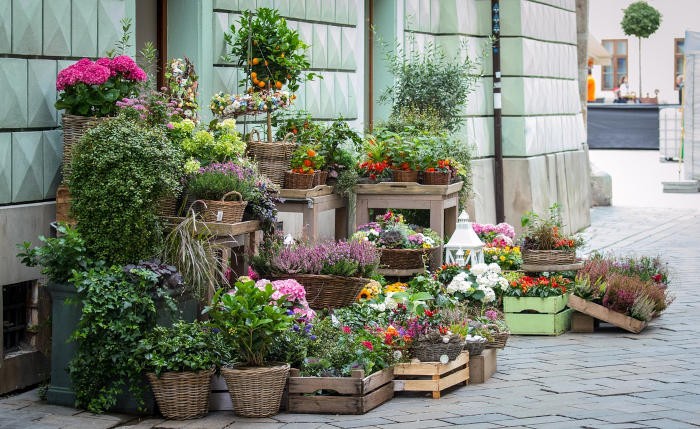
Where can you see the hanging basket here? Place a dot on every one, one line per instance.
(548, 257)
(225, 211)
(404, 176)
(436, 178)
(256, 391)
(182, 395)
(326, 291)
(294, 180)
(74, 127)
(406, 259)
(320, 177)
(273, 158)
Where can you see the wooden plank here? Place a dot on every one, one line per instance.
(376, 380)
(317, 191)
(407, 188)
(324, 404)
(582, 323)
(461, 376)
(416, 385)
(483, 366)
(430, 368)
(599, 312)
(532, 268)
(222, 229)
(341, 385)
(378, 397)
(552, 304)
(538, 323)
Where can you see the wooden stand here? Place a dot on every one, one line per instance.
(482, 366)
(352, 395)
(582, 323)
(601, 313)
(431, 376)
(441, 200)
(311, 207)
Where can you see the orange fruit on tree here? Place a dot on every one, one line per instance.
(278, 85)
(261, 84)
(256, 61)
(253, 75)
(307, 162)
(266, 63)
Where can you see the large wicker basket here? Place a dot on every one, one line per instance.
(273, 158)
(256, 391)
(428, 351)
(73, 129)
(182, 395)
(436, 178)
(294, 180)
(167, 206)
(404, 176)
(225, 211)
(324, 291)
(499, 340)
(548, 257)
(320, 177)
(406, 259)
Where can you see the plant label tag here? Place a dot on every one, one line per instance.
(219, 215)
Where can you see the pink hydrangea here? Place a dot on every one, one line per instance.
(68, 77)
(95, 74)
(123, 64)
(137, 74)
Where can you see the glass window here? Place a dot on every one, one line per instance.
(618, 68)
(679, 60)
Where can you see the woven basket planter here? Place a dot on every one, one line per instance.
(404, 176)
(182, 395)
(406, 259)
(474, 347)
(548, 257)
(427, 351)
(436, 178)
(324, 291)
(294, 180)
(499, 341)
(167, 206)
(225, 211)
(256, 391)
(73, 129)
(273, 158)
(320, 178)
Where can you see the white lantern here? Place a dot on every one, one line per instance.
(464, 239)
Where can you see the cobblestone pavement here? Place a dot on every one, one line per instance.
(608, 379)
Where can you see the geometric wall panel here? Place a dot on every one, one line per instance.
(297, 9)
(5, 26)
(340, 87)
(265, 3)
(353, 7)
(354, 95)
(26, 27)
(57, 27)
(27, 167)
(334, 61)
(52, 146)
(226, 4)
(84, 28)
(5, 167)
(220, 25)
(109, 29)
(327, 105)
(348, 61)
(320, 44)
(313, 10)
(283, 6)
(341, 11)
(13, 87)
(328, 11)
(41, 93)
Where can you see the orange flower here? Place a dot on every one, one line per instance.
(307, 162)
(311, 153)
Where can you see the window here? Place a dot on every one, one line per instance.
(618, 66)
(678, 60)
(14, 315)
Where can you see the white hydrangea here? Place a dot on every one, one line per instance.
(459, 284)
(503, 283)
(389, 302)
(381, 306)
(494, 268)
(489, 295)
(479, 269)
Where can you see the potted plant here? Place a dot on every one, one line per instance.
(544, 243)
(306, 169)
(179, 362)
(213, 185)
(251, 320)
(338, 144)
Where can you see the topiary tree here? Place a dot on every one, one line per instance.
(640, 20)
(119, 171)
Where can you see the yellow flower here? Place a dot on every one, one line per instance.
(502, 258)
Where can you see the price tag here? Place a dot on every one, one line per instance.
(219, 215)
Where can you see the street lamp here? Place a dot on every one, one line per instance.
(464, 247)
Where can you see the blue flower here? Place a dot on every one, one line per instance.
(312, 337)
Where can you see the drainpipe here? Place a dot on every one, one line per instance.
(497, 127)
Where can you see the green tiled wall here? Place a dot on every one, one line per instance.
(5, 168)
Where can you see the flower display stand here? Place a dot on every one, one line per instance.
(599, 312)
(441, 200)
(356, 394)
(482, 366)
(311, 204)
(537, 316)
(431, 377)
(582, 323)
(531, 268)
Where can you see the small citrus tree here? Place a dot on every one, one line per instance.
(640, 20)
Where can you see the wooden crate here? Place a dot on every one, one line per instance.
(482, 366)
(582, 323)
(431, 376)
(356, 394)
(552, 304)
(538, 323)
(601, 313)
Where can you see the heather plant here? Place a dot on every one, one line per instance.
(642, 308)
(352, 259)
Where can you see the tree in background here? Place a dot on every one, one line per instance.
(640, 20)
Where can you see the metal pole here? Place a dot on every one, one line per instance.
(497, 127)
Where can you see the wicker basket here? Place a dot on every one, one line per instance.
(294, 180)
(436, 178)
(324, 291)
(427, 351)
(225, 211)
(320, 177)
(256, 391)
(182, 395)
(167, 206)
(406, 259)
(73, 129)
(548, 257)
(474, 347)
(404, 176)
(273, 158)
(499, 340)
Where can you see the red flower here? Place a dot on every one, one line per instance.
(368, 345)
(657, 278)
(346, 329)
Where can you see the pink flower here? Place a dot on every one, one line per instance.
(368, 345)
(251, 272)
(137, 74)
(95, 74)
(68, 77)
(346, 329)
(491, 314)
(122, 64)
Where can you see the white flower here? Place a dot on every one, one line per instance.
(503, 283)
(479, 269)
(489, 295)
(381, 307)
(494, 267)
(397, 354)
(390, 303)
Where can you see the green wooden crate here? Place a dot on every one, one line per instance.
(539, 324)
(552, 304)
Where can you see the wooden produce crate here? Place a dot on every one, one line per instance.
(552, 304)
(582, 323)
(601, 313)
(316, 191)
(482, 366)
(356, 394)
(431, 376)
(537, 316)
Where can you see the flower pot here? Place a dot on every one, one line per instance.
(294, 180)
(273, 158)
(256, 391)
(428, 351)
(326, 291)
(74, 127)
(182, 395)
(404, 176)
(548, 257)
(320, 178)
(436, 178)
(225, 211)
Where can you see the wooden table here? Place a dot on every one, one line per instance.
(441, 200)
(311, 207)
